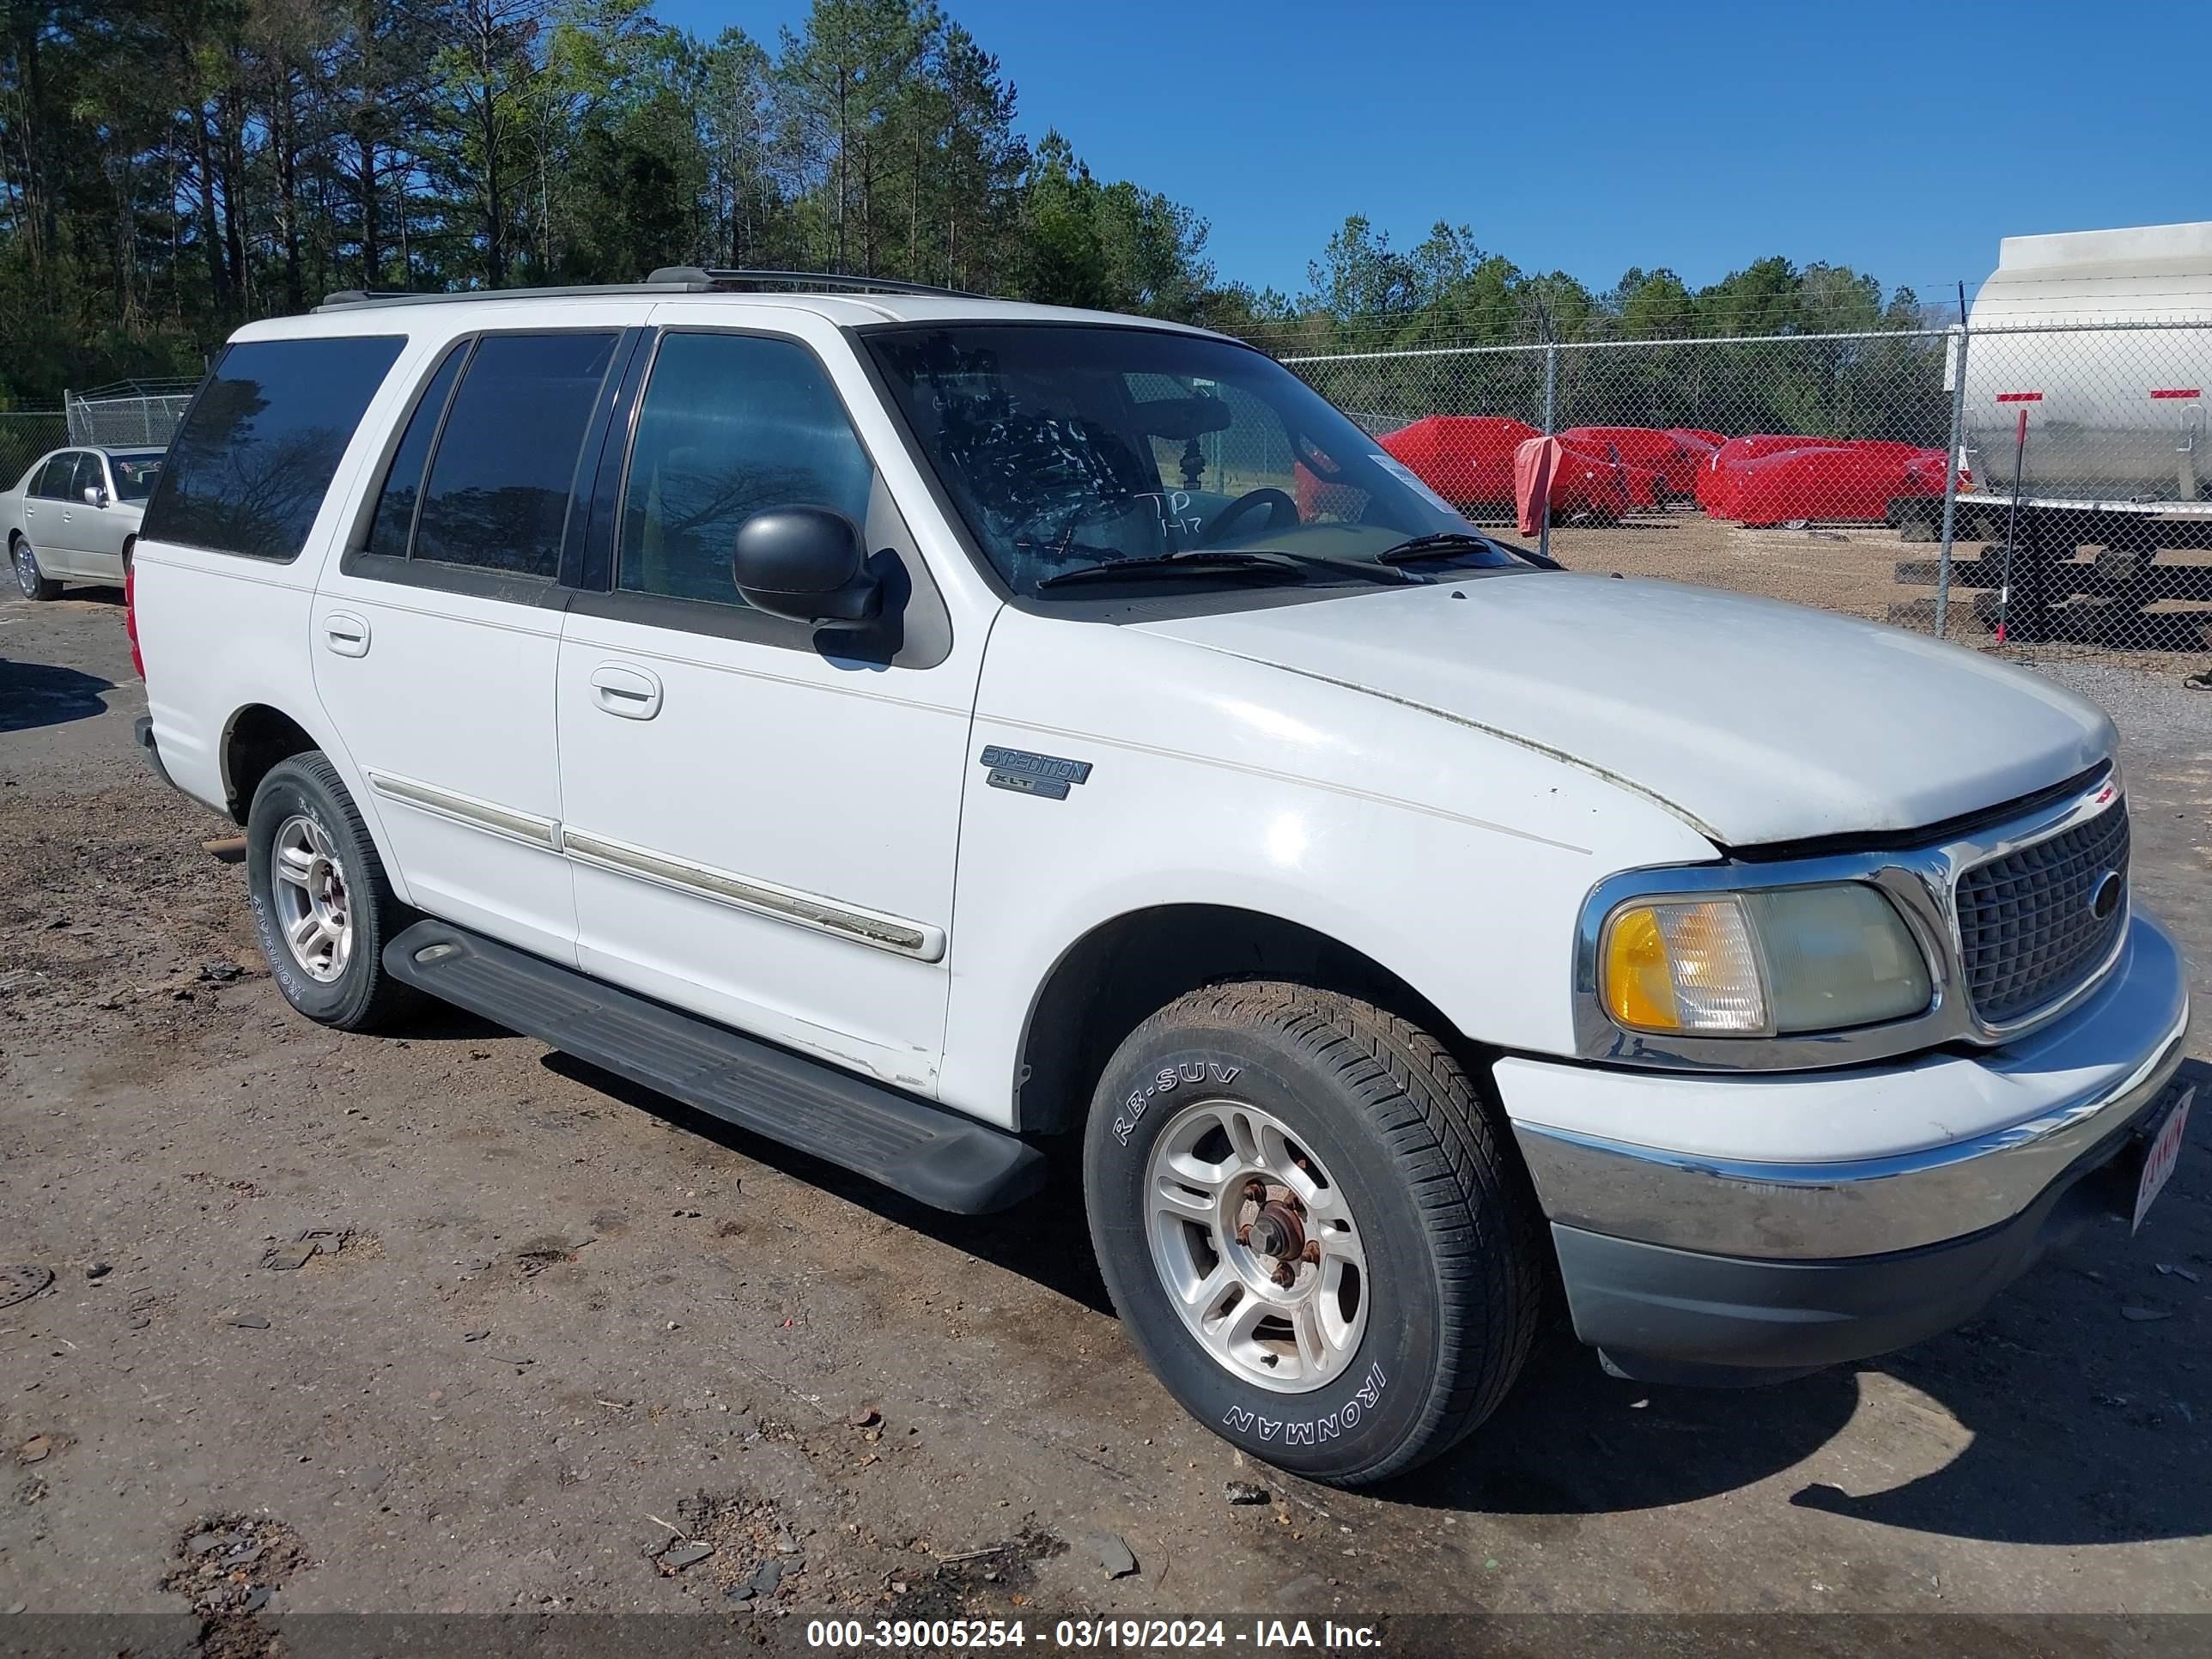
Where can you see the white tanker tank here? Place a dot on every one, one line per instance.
(2104, 339)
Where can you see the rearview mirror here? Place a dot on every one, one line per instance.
(806, 563)
(1183, 418)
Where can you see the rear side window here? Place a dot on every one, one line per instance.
(403, 483)
(732, 425)
(497, 493)
(54, 477)
(247, 471)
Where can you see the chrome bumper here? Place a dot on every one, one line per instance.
(2129, 1037)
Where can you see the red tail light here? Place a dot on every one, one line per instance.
(131, 616)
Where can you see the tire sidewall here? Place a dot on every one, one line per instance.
(1359, 1419)
(23, 565)
(284, 793)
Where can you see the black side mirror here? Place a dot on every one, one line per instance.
(806, 563)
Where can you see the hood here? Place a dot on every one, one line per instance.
(1754, 720)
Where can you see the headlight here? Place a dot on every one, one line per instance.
(1766, 963)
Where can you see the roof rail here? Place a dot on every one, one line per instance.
(669, 279)
(352, 298)
(720, 276)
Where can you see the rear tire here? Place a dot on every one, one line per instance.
(1409, 1239)
(321, 902)
(30, 581)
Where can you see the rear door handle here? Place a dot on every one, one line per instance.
(346, 635)
(632, 693)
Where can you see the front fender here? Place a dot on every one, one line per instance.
(1456, 859)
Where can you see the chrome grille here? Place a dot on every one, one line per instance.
(2027, 933)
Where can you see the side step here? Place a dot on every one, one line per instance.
(937, 1156)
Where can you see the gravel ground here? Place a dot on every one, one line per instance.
(547, 1336)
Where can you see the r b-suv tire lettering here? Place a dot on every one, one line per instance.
(1310, 1224)
(331, 879)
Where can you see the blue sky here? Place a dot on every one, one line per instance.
(1901, 139)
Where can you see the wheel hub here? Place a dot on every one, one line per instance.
(1256, 1246)
(308, 887)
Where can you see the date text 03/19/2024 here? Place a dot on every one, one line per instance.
(898, 1635)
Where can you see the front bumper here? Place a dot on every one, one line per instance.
(1706, 1225)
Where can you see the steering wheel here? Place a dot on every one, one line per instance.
(1282, 513)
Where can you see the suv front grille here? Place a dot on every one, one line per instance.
(2028, 931)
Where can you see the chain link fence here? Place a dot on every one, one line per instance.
(25, 434)
(139, 414)
(2045, 491)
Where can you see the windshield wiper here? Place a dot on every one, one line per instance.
(1228, 562)
(1438, 544)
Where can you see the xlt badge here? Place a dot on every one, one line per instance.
(1026, 773)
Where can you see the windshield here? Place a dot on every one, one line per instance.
(135, 473)
(1067, 446)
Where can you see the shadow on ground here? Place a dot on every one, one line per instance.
(35, 694)
(2053, 1453)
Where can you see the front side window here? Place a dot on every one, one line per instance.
(497, 494)
(730, 425)
(1067, 446)
(248, 470)
(135, 474)
(89, 476)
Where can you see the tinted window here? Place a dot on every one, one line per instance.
(403, 481)
(498, 490)
(731, 426)
(135, 474)
(89, 476)
(248, 470)
(54, 477)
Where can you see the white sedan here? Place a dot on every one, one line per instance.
(74, 515)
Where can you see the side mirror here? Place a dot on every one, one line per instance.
(94, 495)
(806, 563)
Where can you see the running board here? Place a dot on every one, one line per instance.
(937, 1156)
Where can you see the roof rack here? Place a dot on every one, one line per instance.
(669, 279)
(717, 276)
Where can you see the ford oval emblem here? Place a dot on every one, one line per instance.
(2104, 896)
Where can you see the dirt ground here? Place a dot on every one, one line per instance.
(550, 1329)
(1852, 569)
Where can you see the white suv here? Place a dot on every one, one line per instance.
(912, 726)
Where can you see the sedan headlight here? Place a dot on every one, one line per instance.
(1763, 963)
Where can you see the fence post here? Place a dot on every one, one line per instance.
(1551, 393)
(1951, 480)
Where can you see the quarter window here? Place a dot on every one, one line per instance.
(497, 493)
(249, 468)
(732, 425)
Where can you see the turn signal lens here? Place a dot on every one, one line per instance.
(1684, 966)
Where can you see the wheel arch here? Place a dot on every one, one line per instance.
(256, 738)
(1109, 979)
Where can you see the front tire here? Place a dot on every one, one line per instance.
(1308, 1222)
(322, 904)
(33, 582)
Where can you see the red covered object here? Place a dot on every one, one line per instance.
(1717, 481)
(1709, 440)
(1466, 458)
(1469, 459)
(1852, 481)
(1672, 462)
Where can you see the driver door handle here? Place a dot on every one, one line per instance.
(627, 693)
